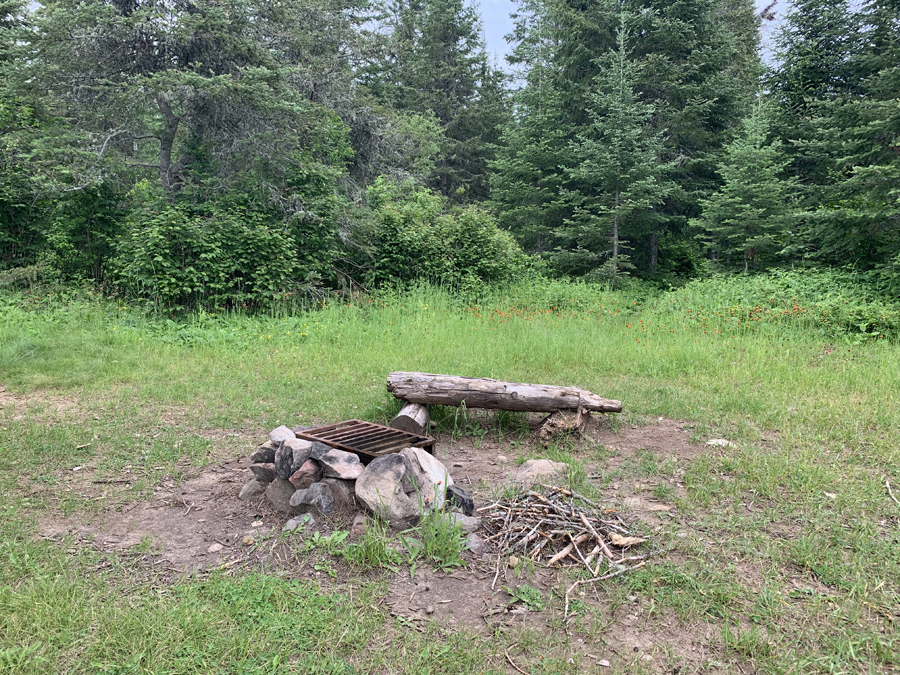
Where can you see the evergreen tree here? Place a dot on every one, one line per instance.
(699, 70)
(435, 62)
(747, 221)
(535, 152)
(855, 217)
(619, 177)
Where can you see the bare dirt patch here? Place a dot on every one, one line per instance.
(17, 406)
(179, 524)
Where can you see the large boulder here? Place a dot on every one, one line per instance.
(427, 477)
(317, 499)
(379, 487)
(340, 464)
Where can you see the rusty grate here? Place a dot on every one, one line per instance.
(366, 438)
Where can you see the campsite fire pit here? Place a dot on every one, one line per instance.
(366, 438)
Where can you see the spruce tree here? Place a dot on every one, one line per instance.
(434, 61)
(748, 219)
(619, 178)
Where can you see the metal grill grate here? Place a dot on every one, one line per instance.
(366, 438)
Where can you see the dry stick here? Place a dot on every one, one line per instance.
(559, 556)
(887, 484)
(509, 658)
(496, 574)
(578, 551)
(590, 581)
(600, 541)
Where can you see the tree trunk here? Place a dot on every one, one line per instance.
(166, 142)
(654, 251)
(413, 417)
(477, 392)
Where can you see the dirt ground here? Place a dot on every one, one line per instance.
(175, 529)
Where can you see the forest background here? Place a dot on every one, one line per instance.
(229, 155)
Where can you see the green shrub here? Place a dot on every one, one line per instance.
(214, 255)
(416, 238)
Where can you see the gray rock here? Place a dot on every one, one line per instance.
(475, 544)
(279, 494)
(300, 451)
(427, 477)
(214, 548)
(343, 493)
(282, 433)
(379, 489)
(264, 473)
(265, 454)
(297, 430)
(535, 469)
(306, 475)
(319, 448)
(468, 523)
(284, 460)
(251, 489)
(340, 464)
(460, 499)
(298, 523)
(317, 498)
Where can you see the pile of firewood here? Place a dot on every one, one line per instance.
(556, 527)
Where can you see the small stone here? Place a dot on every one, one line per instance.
(306, 475)
(300, 451)
(248, 541)
(429, 609)
(265, 473)
(265, 454)
(513, 562)
(646, 658)
(215, 548)
(256, 523)
(317, 498)
(358, 528)
(461, 500)
(603, 663)
(298, 523)
(632, 598)
(279, 494)
(251, 489)
(340, 464)
(535, 469)
(502, 459)
(280, 434)
(467, 523)
(475, 544)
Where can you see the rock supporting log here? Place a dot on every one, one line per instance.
(412, 418)
(478, 392)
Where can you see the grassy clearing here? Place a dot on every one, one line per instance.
(786, 546)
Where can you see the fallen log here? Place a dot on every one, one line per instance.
(479, 392)
(413, 417)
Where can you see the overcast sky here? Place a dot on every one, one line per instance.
(498, 24)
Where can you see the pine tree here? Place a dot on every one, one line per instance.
(750, 216)
(856, 216)
(619, 178)
(535, 147)
(435, 62)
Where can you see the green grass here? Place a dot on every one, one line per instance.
(800, 501)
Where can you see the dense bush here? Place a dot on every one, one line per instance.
(416, 238)
(214, 255)
(833, 302)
